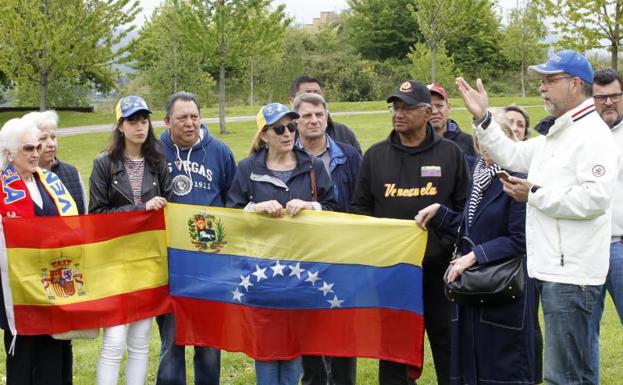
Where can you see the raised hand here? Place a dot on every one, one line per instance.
(476, 101)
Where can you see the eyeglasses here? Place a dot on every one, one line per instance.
(614, 98)
(30, 148)
(280, 129)
(549, 81)
(405, 108)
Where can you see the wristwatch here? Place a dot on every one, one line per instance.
(534, 188)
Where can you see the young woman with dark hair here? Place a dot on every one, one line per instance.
(132, 175)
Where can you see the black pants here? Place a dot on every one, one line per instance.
(38, 360)
(323, 370)
(437, 324)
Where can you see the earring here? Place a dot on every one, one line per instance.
(121, 133)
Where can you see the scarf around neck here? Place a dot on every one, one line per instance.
(16, 199)
(483, 176)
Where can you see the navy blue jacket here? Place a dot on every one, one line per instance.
(497, 343)
(202, 174)
(344, 166)
(465, 141)
(254, 182)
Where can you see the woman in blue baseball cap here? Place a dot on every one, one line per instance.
(132, 175)
(277, 179)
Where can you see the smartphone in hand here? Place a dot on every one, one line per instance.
(502, 175)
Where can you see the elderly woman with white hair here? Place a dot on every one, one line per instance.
(30, 191)
(47, 122)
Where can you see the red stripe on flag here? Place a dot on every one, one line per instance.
(110, 311)
(53, 232)
(271, 334)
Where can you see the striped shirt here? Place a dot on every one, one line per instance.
(135, 170)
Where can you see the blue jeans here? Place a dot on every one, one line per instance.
(278, 372)
(172, 366)
(614, 285)
(568, 313)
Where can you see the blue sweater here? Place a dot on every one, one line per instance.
(202, 174)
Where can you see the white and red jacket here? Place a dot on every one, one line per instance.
(568, 220)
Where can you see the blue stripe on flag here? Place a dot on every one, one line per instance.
(234, 279)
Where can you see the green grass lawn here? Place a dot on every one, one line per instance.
(236, 367)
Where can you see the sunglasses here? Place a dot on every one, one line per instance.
(30, 148)
(280, 129)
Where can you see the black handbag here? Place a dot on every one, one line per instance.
(492, 284)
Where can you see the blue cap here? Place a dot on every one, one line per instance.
(271, 113)
(129, 105)
(567, 61)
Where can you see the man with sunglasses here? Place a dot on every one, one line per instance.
(572, 172)
(342, 163)
(410, 170)
(607, 94)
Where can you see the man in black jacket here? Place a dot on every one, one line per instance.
(415, 158)
(338, 131)
(446, 127)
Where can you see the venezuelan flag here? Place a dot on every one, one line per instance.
(320, 283)
(84, 272)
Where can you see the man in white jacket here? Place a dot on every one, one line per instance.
(571, 176)
(607, 93)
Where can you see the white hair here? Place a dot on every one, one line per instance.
(11, 136)
(46, 120)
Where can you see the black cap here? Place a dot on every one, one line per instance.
(412, 93)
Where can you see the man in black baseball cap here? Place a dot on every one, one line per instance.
(410, 170)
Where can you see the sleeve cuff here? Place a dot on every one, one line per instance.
(249, 207)
(316, 206)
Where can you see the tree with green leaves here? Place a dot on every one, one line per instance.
(381, 29)
(58, 42)
(475, 47)
(173, 53)
(438, 20)
(446, 72)
(588, 24)
(241, 29)
(522, 39)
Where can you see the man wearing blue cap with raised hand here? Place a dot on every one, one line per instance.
(571, 176)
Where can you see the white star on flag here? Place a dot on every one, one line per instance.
(237, 295)
(259, 273)
(326, 288)
(296, 270)
(245, 282)
(278, 269)
(335, 302)
(312, 277)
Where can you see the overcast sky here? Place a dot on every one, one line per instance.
(303, 11)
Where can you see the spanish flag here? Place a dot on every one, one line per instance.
(320, 283)
(83, 272)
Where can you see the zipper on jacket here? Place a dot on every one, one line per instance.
(114, 185)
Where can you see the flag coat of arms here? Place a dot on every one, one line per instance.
(320, 283)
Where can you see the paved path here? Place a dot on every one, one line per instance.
(69, 131)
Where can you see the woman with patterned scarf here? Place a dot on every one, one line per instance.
(30, 191)
(495, 343)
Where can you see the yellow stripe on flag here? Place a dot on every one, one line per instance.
(93, 271)
(318, 236)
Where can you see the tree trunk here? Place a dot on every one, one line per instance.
(615, 56)
(43, 90)
(251, 96)
(433, 64)
(221, 99)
